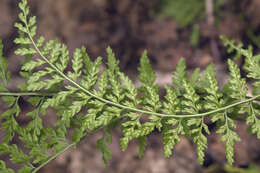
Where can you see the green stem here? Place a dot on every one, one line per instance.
(53, 157)
(64, 149)
(17, 94)
(126, 107)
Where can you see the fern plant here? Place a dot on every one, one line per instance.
(87, 99)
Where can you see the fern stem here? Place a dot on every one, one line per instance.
(65, 149)
(53, 157)
(17, 94)
(126, 107)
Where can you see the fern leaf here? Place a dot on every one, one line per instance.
(29, 66)
(64, 59)
(114, 82)
(201, 141)
(230, 137)
(36, 124)
(170, 135)
(170, 138)
(16, 155)
(23, 41)
(107, 116)
(91, 77)
(3, 168)
(142, 142)
(20, 27)
(130, 130)
(192, 99)
(112, 63)
(146, 74)
(55, 51)
(214, 99)
(179, 75)
(39, 74)
(25, 169)
(252, 66)
(236, 84)
(25, 51)
(214, 96)
(77, 64)
(172, 104)
(102, 145)
(194, 78)
(89, 120)
(45, 84)
(48, 47)
(131, 91)
(151, 99)
(102, 83)
(58, 98)
(10, 124)
(253, 120)
(73, 110)
(192, 106)
(40, 42)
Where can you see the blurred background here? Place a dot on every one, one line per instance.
(168, 30)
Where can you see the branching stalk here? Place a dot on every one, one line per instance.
(126, 107)
(16, 94)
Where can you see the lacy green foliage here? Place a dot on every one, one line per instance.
(87, 99)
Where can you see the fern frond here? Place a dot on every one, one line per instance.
(192, 106)
(77, 64)
(214, 98)
(3, 168)
(10, 124)
(251, 64)
(16, 155)
(87, 99)
(102, 145)
(170, 136)
(236, 84)
(229, 136)
(179, 76)
(91, 78)
(146, 74)
(253, 120)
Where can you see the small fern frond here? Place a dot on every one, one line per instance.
(77, 64)
(251, 64)
(229, 136)
(236, 84)
(4, 169)
(179, 76)
(102, 145)
(253, 119)
(146, 74)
